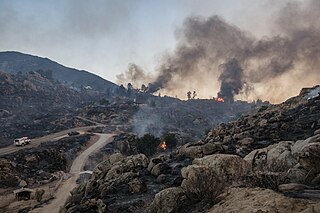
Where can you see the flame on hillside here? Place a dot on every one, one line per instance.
(220, 100)
(163, 145)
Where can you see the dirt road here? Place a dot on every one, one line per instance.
(64, 190)
(37, 141)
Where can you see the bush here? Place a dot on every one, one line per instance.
(262, 108)
(269, 176)
(206, 186)
(170, 140)
(147, 144)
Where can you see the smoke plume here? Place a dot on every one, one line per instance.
(231, 79)
(211, 48)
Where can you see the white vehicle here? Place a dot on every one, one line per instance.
(21, 141)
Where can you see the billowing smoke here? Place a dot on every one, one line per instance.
(231, 57)
(231, 79)
(134, 74)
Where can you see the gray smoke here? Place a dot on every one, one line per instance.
(134, 74)
(205, 45)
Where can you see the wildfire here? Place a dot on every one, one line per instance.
(220, 100)
(163, 145)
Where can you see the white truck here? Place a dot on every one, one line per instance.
(21, 141)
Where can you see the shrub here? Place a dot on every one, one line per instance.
(206, 186)
(147, 144)
(262, 108)
(269, 176)
(170, 140)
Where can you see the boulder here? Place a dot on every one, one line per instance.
(210, 148)
(161, 178)
(227, 139)
(224, 164)
(153, 162)
(192, 151)
(137, 186)
(245, 200)
(275, 157)
(168, 200)
(114, 158)
(246, 141)
(307, 153)
(160, 168)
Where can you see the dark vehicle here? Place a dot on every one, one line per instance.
(73, 133)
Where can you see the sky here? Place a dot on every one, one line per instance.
(104, 36)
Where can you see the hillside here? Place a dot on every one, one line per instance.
(16, 62)
(270, 157)
(32, 105)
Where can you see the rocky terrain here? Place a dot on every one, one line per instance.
(165, 114)
(263, 161)
(141, 114)
(33, 105)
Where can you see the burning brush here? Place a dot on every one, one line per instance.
(163, 145)
(219, 99)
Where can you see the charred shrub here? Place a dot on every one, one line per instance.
(269, 176)
(147, 144)
(206, 186)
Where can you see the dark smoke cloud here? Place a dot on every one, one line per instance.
(206, 44)
(231, 79)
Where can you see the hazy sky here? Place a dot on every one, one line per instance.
(104, 36)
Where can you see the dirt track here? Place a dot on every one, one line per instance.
(64, 191)
(37, 141)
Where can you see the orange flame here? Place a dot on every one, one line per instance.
(220, 100)
(163, 145)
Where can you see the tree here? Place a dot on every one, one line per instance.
(194, 95)
(121, 90)
(130, 88)
(189, 95)
(143, 88)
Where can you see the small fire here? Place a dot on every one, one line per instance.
(220, 100)
(163, 145)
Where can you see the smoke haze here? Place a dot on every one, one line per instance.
(213, 57)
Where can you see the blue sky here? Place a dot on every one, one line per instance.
(104, 36)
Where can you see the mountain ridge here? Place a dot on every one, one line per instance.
(16, 62)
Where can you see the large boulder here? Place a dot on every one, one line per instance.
(112, 173)
(154, 162)
(116, 157)
(275, 157)
(231, 165)
(307, 153)
(244, 200)
(191, 150)
(211, 148)
(169, 200)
